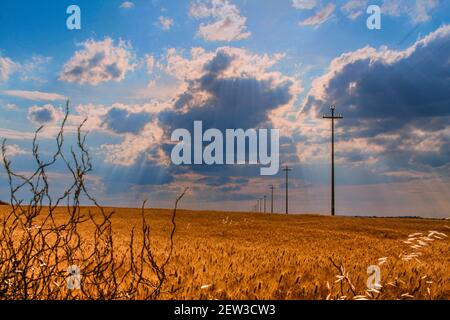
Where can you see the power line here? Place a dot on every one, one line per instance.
(271, 198)
(332, 117)
(287, 169)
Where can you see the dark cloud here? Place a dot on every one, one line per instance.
(42, 114)
(122, 121)
(402, 94)
(235, 102)
(412, 87)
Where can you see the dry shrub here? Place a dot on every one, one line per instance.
(40, 255)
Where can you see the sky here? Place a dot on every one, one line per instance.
(138, 70)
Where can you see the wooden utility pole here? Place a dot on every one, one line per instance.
(271, 198)
(265, 204)
(332, 117)
(287, 169)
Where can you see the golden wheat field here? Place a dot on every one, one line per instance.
(222, 255)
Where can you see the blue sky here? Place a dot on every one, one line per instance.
(135, 70)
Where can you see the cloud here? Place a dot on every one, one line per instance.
(304, 4)
(44, 114)
(10, 107)
(224, 20)
(395, 104)
(136, 126)
(30, 69)
(15, 134)
(34, 68)
(226, 88)
(320, 17)
(127, 5)
(165, 23)
(98, 62)
(13, 150)
(354, 8)
(135, 148)
(7, 67)
(150, 62)
(34, 95)
(418, 10)
(122, 121)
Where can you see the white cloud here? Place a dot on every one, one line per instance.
(243, 63)
(11, 107)
(354, 8)
(7, 67)
(422, 10)
(304, 4)
(31, 69)
(165, 23)
(13, 150)
(161, 88)
(98, 62)
(320, 17)
(132, 147)
(225, 23)
(16, 134)
(150, 62)
(127, 5)
(418, 10)
(34, 95)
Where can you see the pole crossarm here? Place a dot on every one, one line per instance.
(333, 117)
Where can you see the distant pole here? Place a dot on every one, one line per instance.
(332, 117)
(265, 204)
(259, 205)
(271, 198)
(287, 169)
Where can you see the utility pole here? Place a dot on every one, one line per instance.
(287, 169)
(332, 117)
(259, 205)
(271, 198)
(265, 204)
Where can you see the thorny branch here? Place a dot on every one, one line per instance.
(40, 238)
